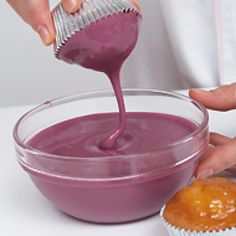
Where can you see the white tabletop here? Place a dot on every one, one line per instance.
(24, 211)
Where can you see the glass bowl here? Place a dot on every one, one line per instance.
(91, 189)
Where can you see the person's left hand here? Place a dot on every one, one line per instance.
(221, 153)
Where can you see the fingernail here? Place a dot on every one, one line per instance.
(71, 5)
(136, 4)
(200, 91)
(203, 174)
(44, 34)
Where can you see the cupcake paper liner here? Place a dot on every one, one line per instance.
(175, 231)
(67, 24)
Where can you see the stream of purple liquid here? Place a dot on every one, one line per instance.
(104, 46)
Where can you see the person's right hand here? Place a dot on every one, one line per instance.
(37, 14)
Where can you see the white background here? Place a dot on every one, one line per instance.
(29, 73)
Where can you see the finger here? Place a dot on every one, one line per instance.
(223, 157)
(37, 14)
(136, 4)
(232, 170)
(210, 149)
(222, 98)
(218, 139)
(72, 5)
(41, 21)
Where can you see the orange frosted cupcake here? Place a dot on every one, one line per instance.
(205, 206)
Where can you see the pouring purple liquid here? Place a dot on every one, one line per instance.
(104, 46)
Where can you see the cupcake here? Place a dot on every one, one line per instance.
(206, 207)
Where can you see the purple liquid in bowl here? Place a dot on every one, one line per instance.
(144, 133)
(114, 201)
(119, 195)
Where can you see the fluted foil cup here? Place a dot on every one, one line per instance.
(67, 24)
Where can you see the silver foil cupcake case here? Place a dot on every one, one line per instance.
(67, 24)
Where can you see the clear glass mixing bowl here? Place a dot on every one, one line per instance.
(89, 188)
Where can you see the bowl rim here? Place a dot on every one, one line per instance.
(103, 93)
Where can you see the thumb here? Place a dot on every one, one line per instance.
(223, 157)
(136, 4)
(222, 98)
(72, 5)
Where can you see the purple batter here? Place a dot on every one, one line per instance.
(109, 199)
(144, 133)
(104, 46)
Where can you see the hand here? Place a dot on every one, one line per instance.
(221, 153)
(37, 14)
